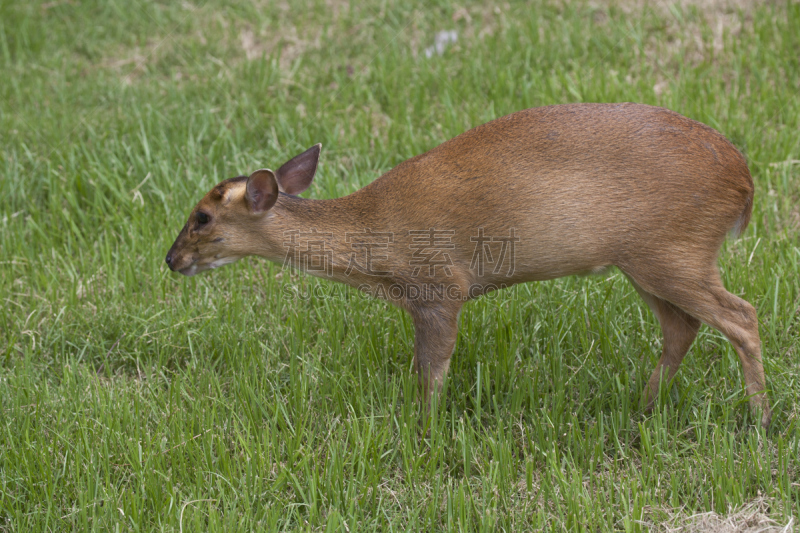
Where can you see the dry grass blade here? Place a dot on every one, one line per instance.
(752, 518)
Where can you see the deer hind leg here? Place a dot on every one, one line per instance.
(679, 330)
(704, 297)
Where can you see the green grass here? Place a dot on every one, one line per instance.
(132, 399)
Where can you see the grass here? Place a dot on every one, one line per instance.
(135, 400)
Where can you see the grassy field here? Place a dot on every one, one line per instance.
(132, 399)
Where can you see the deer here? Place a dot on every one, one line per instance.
(547, 192)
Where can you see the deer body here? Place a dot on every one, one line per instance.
(536, 195)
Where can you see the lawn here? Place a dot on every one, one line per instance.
(255, 398)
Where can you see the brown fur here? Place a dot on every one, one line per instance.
(575, 188)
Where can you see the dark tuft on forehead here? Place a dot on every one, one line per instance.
(219, 190)
(237, 179)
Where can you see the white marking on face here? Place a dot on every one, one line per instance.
(234, 193)
(222, 262)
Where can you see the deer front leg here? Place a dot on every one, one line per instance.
(436, 331)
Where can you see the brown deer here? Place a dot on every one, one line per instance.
(535, 195)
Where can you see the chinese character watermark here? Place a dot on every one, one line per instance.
(483, 252)
(429, 250)
(375, 246)
(306, 250)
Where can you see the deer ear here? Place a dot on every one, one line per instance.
(296, 174)
(262, 190)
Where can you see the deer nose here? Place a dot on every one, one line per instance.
(169, 260)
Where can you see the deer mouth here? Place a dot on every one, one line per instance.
(197, 267)
(192, 270)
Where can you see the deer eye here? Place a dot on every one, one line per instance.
(202, 218)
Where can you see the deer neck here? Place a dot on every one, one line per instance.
(343, 239)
